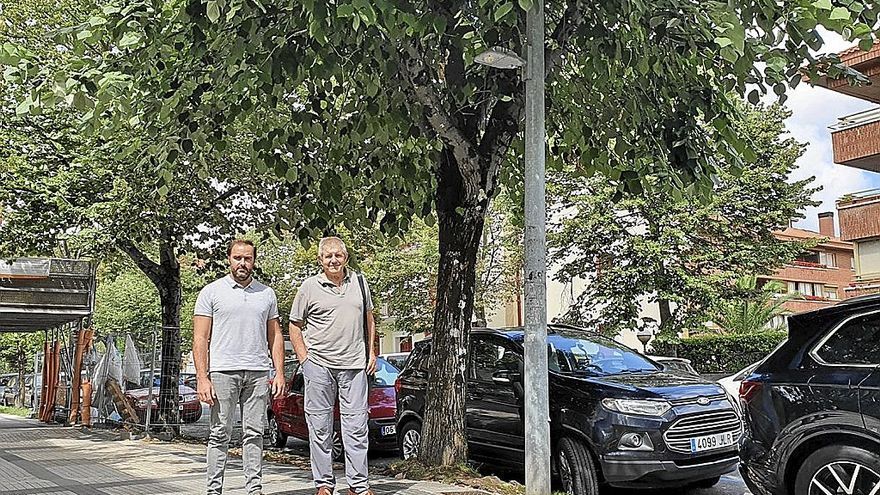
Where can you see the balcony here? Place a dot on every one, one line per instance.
(859, 215)
(856, 140)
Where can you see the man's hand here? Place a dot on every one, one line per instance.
(371, 365)
(278, 385)
(206, 390)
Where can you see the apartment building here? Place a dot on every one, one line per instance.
(821, 275)
(856, 142)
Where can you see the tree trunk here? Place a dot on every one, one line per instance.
(170, 294)
(444, 439)
(21, 362)
(165, 275)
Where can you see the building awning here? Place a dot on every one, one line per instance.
(43, 293)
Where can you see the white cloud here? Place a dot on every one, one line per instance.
(813, 110)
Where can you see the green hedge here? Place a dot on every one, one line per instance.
(721, 353)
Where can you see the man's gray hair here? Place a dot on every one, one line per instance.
(331, 240)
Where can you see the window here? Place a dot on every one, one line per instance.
(828, 259)
(808, 289)
(869, 256)
(856, 342)
(386, 374)
(792, 287)
(810, 257)
(580, 353)
(489, 357)
(830, 292)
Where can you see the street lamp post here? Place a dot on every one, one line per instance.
(537, 409)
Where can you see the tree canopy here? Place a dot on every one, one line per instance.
(682, 253)
(374, 112)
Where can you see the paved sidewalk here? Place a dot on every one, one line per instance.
(55, 460)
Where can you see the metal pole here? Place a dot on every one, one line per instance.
(149, 411)
(537, 413)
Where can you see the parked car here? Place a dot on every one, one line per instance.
(812, 407)
(12, 388)
(287, 414)
(398, 359)
(675, 364)
(189, 406)
(731, 383)
(615, 415)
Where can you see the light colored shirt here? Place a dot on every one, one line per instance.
(334, 320)
(239, 317)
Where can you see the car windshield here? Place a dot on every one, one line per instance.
(386, 374)
(584, 353)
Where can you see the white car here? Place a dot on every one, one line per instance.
(731, 383)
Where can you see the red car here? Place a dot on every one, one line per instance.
(190, 408)
(287, 416)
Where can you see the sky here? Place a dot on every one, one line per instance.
(813, 110)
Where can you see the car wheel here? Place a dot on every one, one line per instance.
(839, 469)
(277, 437)
(409, 438)
(706, 483)
(338, 448)
(576, 469)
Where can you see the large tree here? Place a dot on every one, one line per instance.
(106, 193)
(374, 111)
(679, 252)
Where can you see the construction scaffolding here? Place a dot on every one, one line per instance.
(56, 297)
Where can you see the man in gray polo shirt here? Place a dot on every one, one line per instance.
(327, 332)
(235, 327)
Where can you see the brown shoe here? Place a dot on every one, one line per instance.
(367, 492)
(323, 490)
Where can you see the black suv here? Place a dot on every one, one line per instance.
(812, 407)
(616, 416)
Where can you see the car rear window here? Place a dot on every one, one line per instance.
(386, 374)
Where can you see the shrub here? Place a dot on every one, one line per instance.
(726, 353)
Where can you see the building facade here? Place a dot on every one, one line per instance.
(823, 274)
(856, 142)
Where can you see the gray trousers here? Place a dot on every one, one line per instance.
(250, 391)
(322, 387)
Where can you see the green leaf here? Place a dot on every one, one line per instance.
(526, 5)
(722, 42)
(130, 38)
(213, 10)
(503, 10)
(840, 14)
(823, 4)
(866, 44)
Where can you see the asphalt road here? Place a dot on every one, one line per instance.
(730, 484)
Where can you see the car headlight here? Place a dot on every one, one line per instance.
(637, 406)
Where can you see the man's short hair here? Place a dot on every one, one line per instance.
(236, 242)
(331, 240)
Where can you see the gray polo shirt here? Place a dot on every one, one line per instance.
(334, 320)
(238, 324)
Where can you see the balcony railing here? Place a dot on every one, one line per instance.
(856, 120)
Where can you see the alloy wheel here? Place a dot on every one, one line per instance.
(411, 440)
(566, 474)
(845, 478)
(274, 434)
(337, 446)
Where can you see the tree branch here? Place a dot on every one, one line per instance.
(571, 21)
(150, 268)
(442, 123)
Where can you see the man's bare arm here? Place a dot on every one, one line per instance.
(296, 338)
(276, 347)
(201, 338)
